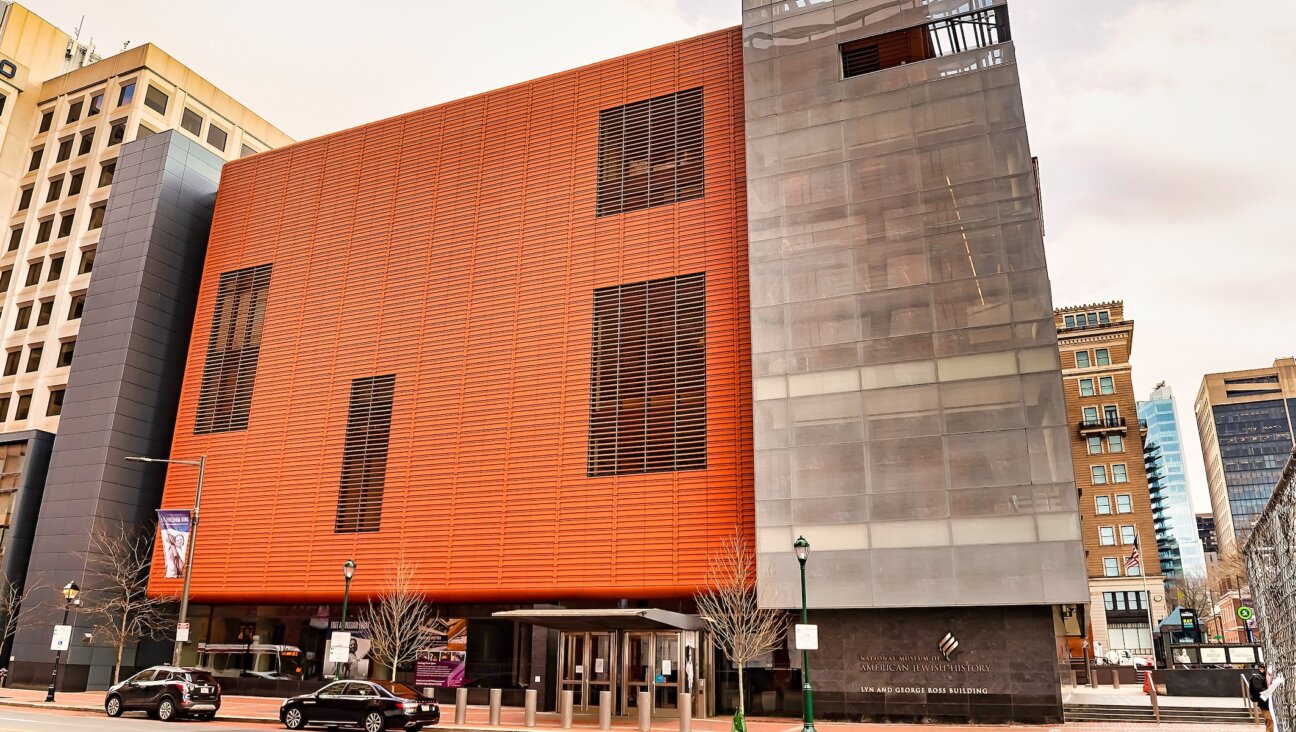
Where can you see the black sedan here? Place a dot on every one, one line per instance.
(372, 706)
(166, 693)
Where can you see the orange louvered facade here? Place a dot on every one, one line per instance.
(458, 248)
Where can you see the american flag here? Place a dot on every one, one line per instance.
(1133, 560)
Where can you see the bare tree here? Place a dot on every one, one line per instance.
(743, 630)
(15, 606)
(1228, 572)
(1194, 593)
(116, 597)
(401, 623)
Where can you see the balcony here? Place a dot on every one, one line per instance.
(1103, 425)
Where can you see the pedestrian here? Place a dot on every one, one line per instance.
(1275, 683)
(4, 677)
(1258, 685)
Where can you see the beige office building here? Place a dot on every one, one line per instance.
(57, 164)
(1246, 420)
(65, 115)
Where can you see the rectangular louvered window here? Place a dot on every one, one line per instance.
(966, 32)
(232, 350)
(650, 153)
(364, 456)
(648, 377)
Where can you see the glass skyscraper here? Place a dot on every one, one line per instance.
(1245, 419)
(1163, 430)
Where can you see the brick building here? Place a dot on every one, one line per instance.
(1115, 505)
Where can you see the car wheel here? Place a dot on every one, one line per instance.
(114, 706)
(374, 722)
(166, 710)
(294, 718)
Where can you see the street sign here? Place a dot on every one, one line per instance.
(339, 647)
(1245, 613)
(182, 632)
(62, 638)
(807, 637)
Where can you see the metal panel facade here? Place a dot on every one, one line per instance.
(122, 388)
(909, 416)
(459, 248)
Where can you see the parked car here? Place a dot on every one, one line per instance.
(166, 693)
(372, 706)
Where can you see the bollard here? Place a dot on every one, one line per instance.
(565, 707)
(605, 710)
(645, 711)
(531, 695)
(1075, 681)
(699, 703)
(686, 712)
(1115, 677)
(495, 696)
(461, 706)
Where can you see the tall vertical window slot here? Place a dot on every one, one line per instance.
(648, 377)
(233, 347)
(650, 153)
(364, 456)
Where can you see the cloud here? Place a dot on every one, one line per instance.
(1163, 130)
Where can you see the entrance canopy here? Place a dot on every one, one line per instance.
(610, 619)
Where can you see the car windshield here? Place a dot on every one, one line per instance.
(400, 690)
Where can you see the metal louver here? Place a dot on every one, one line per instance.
(233, 348)
(648, 377)
(651, 153)
(364, 454)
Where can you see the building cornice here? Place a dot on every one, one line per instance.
(1071, 309)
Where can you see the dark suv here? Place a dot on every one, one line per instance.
(166, 693)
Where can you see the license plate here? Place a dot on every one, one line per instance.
(204, 690)
(425, 708)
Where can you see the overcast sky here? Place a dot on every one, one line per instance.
(1164, 129)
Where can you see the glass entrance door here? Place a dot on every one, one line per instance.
(602, 661)
(586, 665)
(572, 665)
(652, 664)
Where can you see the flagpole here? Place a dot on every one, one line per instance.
(1147, 596)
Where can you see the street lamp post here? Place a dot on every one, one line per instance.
(70, 592)
(802, 548)
(348, 571)
(201, 464)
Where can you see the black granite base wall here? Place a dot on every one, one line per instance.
(887, 665)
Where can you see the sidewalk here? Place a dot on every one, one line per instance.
(1133, 696)
(249, 709)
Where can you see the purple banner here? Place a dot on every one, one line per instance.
(173, 527)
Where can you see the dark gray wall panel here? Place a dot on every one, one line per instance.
(125, 382)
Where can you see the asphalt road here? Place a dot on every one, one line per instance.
(14, 719)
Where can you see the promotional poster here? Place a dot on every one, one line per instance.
(357, 663)
(443, 663)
